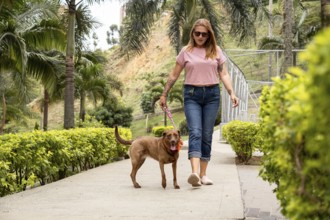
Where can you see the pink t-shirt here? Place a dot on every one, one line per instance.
(200, 71)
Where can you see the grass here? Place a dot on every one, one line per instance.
(139, 127)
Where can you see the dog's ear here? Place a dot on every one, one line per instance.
(179, 133)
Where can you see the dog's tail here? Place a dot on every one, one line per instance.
(120, 139)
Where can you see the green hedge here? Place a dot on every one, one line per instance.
(158, 130)
(241, 136)
(295, 119)
(32, 157)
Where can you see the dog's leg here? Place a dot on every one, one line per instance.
(161, 165)
(175, 183)
(135, 167)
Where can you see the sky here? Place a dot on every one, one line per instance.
(107, 13)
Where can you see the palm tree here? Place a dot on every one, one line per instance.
(69, 62)
(47, 67)
(90, 81)
(325, 13)
(304, 28)
(23, 37)
(287, 34)
(14, 107)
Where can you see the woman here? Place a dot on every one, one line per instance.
(204, 64)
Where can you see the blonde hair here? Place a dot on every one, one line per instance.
(210, 44)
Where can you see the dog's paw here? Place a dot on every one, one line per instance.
(177, 187)
(137, 186)
(164, 185)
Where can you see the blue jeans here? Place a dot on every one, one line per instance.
(201, 105)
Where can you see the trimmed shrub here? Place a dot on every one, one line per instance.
(32, 157)
(158, 131)
(241, 136)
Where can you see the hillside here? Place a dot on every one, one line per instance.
(158, 57)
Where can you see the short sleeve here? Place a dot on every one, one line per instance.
(180, 59)
(221, 58)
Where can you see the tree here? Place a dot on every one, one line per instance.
(287, 35)
(23, 40)
(111, 40)
(325, 13)
(90, 81)
(306, 23)
(95, 40)
(70, 51)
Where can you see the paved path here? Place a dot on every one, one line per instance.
(106, 192)
(259, 200)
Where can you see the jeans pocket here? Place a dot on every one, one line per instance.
(188, 91)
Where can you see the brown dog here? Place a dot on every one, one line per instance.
(164, 150)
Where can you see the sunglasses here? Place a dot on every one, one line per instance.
(204, 34)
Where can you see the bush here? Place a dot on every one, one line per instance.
(158, 131)
(110, 115)
(90, 122)
(218, 119)
(241, 136)
(295, 118)
(31, 157)
(183, 128)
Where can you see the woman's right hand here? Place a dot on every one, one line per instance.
(162, 102)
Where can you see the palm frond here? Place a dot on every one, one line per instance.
(15, 49)
(85, 24)
(47, 35)
(37, 12)
(137, 24)
(174, 31)
(242, 24)
(45, 68)
(271, 43)
(24, 86)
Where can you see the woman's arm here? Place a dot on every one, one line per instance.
(173, 76)
(225, 78)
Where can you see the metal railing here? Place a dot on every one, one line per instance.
(241, 88)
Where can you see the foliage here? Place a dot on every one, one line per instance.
(295, 134)
(218, 118)
(183, 127)
(111, 113)
(146, 103)
(241, 136)
(89, 122)
(305, 25)
(154, 89)
(27, 158)
(158, 131)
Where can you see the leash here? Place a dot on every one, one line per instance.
(169, 115)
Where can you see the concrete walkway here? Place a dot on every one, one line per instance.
(106, 192)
